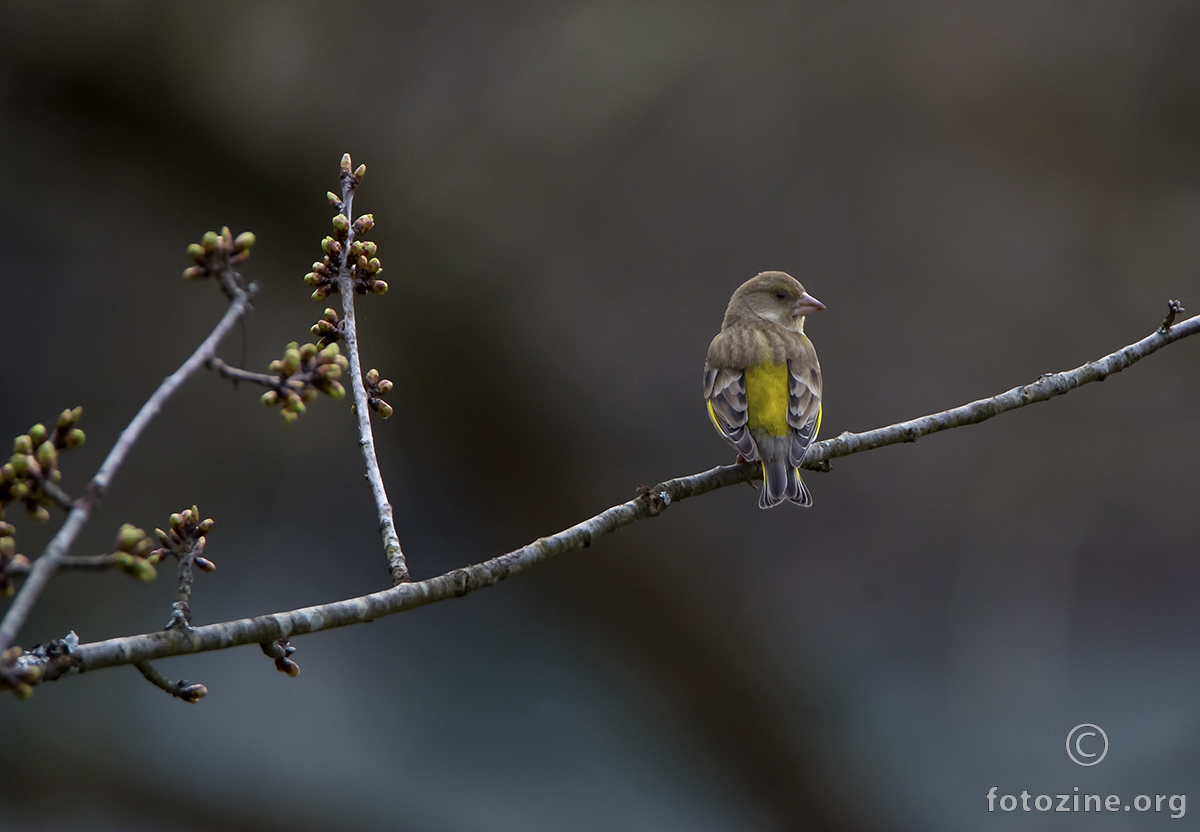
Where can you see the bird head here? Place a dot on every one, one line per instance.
(776, 297)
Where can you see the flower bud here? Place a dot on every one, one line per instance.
(47, 456)
(129, 536)
(143, 570)
(193, 693)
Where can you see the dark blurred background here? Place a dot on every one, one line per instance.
(566, 195)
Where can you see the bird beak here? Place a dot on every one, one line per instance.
(807, 305)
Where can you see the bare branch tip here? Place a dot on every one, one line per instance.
(1174, 307)
(181, 689)
(281, 652)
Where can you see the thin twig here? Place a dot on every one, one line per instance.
(181, 609)
(61, 498)
(649, 503)
(44, 566)
(183, 689)
(366, 439)
(238, 374)
(81, 562)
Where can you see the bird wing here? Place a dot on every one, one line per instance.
(725, 390)
(804, 405)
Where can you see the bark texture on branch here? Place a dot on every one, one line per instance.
(45, 566)
(66, 655)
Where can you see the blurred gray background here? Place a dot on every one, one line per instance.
(566, 194)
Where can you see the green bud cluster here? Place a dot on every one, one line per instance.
(187, 534)
(18, 676)
(304, 371)
(11, 564)
(133, 552)
(34, 463)
(328, 329)
(377, 388)
(217, 254)
(366, 264)
(346, 248)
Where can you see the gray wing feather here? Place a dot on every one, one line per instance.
(726, 392)
(804, 405)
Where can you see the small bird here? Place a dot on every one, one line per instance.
(763, 383)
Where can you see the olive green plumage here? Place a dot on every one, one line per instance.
(762, 382)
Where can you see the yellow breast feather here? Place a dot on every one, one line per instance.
(767, 389)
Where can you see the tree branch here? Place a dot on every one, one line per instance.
(366, 439)
(182, 689)
(56, 550)
(1046, 387)
(65, 655)
(238, 374)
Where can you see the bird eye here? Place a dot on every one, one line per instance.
(779, 293)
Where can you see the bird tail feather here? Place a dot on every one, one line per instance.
(781, 481)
